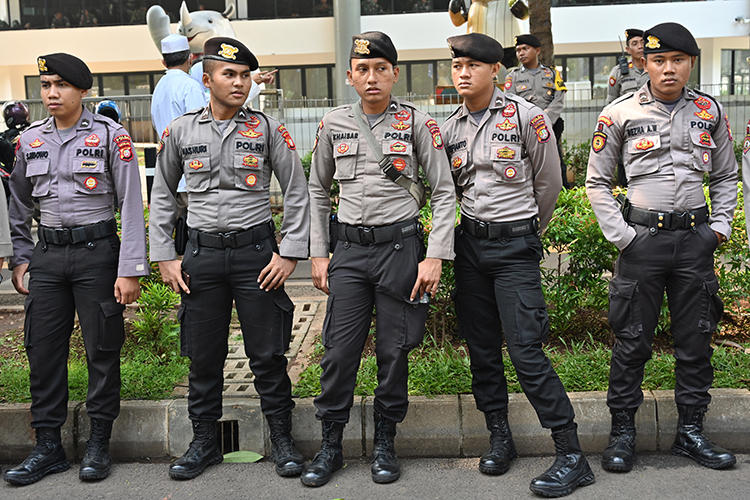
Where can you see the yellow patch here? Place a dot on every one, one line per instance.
(361, 46)
(506, 125)
(653, 42)
(704, 115)
(505, 153)
(42, 63)
(228, 51)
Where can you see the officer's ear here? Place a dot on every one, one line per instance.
(692, 61)
(395, 74)
(495, 69)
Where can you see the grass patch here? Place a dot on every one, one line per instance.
(582, 366)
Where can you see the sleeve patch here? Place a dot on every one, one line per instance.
(508, 83)
(559, 83)
(437, 139)
(287, 137)
(612, 81)
(124, 147)
(729, 128)
(539, 125)
(598, 141)
(317, 136)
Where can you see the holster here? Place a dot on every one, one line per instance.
(180, 235)
(333, 232)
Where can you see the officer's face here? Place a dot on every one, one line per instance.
(229, 83)
(61, 98)
(635, 48)
(668, 72)
(473, 78)
(373, 79)
(527, 55)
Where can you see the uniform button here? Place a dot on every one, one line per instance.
(660, 225)
(661, 217)
(195, 252)
(258, 247)
(90, 244)
(692, 223)
(692, 216)
(397, 246)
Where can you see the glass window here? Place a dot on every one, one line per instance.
(316, 83)
(138, 84)
(602, 66)
(400, 88)
(444, 78)
(423, 78)
(726, 71)
(290, 79)
(742, 72)
(33, 88)
(577, 69)
(113, 85)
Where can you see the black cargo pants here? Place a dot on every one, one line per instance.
(63, 280)
(217, 277)
(680, 261)
(361, 276)
(499, 294)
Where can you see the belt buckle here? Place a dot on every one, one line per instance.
(229, 239)
(62, 234)
(366, 235)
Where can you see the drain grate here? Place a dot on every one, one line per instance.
(229, 436)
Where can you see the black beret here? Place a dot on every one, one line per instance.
(373, 44)
(666, 37)
(229, 50)
(476, 46)
(528, 40)
(68, 67)
(632, 33)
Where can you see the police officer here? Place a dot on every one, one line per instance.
(504, 163)
(374, 148)
(669, 137)
(228, 153)
(629, 79)
(746, 175)
(16, 117)
(541, 86)
(79, 166)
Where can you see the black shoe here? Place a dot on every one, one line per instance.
(97, 463)
(203, 451)
(385, 467)
(329, 459)
(619, 455)
(692, 443)
(570, 469)
(47, 457)
(289, 461)
(502, 451)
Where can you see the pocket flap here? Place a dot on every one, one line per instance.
(532, 299)
(712, 285)
(459, 159)
(702, 138)
(88, 165)
(283, 302)
(243, 160)
(397, 148)
(197, 165)
(37, 168)
(345, 148)
(643, 144)
(622, 287)
(111, 308)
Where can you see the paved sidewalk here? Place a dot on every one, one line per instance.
(655, 476)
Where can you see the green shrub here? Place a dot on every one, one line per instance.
(577, 158)
(154, 330)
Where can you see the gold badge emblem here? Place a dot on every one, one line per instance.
(361, 46)
(653, 42)
(228, 51)
(42, 63)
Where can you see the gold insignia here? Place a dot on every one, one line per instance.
(42, 62)
(515, 40)
(653, 42)
(228, 51)
(626, 33)
(361, 46)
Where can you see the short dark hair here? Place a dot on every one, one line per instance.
(176, 58)
(209, 65)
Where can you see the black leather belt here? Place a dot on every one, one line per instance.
(495, 230)
(78, 234)
(372, 235)
(665, 220)
(233, 239)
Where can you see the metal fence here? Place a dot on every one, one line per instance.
(301, 116)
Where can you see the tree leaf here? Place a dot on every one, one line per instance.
(242, 457)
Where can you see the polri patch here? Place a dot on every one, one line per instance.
(509, 110)
(505, 153)
(251, 180)
(90, 183)
(287, 137)
(398, 147)
(195, 164)
(644, 144)
(342, 148)
(92, 141)
(598, 141)
(437, 139)
(705, 139)
(402, 115)
(539, 125)
(89, 163)
(400, 125)
(506, 125)
(36, 143)
(456, 162)
(400, 164)
(250, 161)
(510, 172)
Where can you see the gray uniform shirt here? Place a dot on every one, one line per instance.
(506, 167)
(228, 176)
(665, 156)
(620, 84)
(408, 136)
(78, 181)
(541, 86)
(746, 176)
(6, 245)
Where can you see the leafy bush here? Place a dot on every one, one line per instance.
(577, 158)
(155, 330)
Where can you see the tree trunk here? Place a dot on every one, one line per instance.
(540, 24)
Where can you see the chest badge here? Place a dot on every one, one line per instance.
(402, 115)
(456, 162)
(251, 180)
(398, 147)
(251, 125)
(89, 164)
(90, 183)
(706, 157)
(250, 161)
(509, 110)
(505, 153)
(703, 105)
(644, 144)
(36, 143)
(195, 164)
(704, 115)
(510, 172)
(705, 139)
(92, 141)
(506, 125)
(342, 148)
(400, 164)
(400, 125)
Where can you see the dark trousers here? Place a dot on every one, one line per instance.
(216, 278)
(681, 262)
(360, 277)
(63, 280)
(498, 283)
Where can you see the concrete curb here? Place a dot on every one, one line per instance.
(443, 426)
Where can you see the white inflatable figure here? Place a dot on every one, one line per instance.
(198, 27)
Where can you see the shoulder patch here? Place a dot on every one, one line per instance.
(437, 139)
(287, 137)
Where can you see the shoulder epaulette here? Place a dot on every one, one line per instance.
(708, 96)
(621, 98)
(37, 123)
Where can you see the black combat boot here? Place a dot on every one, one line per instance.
(691, 442)
(502, 451)
(289, 461)
(203, 451)
(329, 459)
(47, 457)
(619, 455)
(97, 463)
(570, 468)
(385, 467)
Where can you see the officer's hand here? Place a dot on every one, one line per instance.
(171, 274)
(265, 77)
(18, 272)
(719, 237)
(127, 289)
(428, 278)
(320, 273)
(276, 272)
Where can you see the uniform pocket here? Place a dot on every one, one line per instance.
(399, 152)
(414, 318)
(38, 174)
(111, 326)
(328, 323)
(248, 172)
(27, 321)
(703, 146)
(713, 307)
(197, 174)
(285, 318)
(641, 155)
(507, 164)
(184, 334)
(345, 158)
(90, 176)
(624, 311)
(531, 317)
